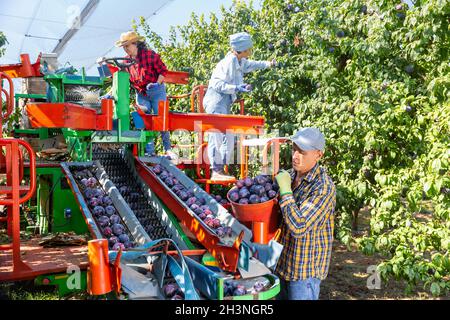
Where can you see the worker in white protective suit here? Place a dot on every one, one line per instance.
(226, 81)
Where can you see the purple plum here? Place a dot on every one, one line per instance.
(164, 175)
(107, 232)
(89, 193)
(107, 201)
(207, 212)
(94, 202)
(248, 182)
(99, 211)
(169, 182)
(183, 195)
(191, 201)
(99, 192)
(118, 229)
(244, 193)
(272, 194)
(220, 232)
(103, 221)
(202, 201)
(258, 286)
(113, 240)
(124, 190)
(234, 196)
(254, 199)
(268, 186)
(215, 223)
(114, 219)
(110, 210)
(240, 183)
(228, 231)
(243, 201)
(84, 182)
(239, 291)
(129, 244)
(118, 246)
(218, 197)
(124, 238)
(170, 290)
(91, 182)
(264, 199)
(259, 190)
(157, 169)
(194, 207)
(261, 180)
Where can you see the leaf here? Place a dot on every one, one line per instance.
(436, 165)
(435, 289)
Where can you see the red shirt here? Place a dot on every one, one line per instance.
(147, 69)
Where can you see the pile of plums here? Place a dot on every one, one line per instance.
(260, 189)
(196, 203)
(231, 288)
(173, 292)
(103, 211)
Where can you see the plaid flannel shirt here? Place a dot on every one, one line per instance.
(147, 70)
(307, 227)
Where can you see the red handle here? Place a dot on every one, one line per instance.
(9, 97)
(32, 157)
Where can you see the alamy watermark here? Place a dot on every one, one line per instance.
(374, 279)
(73, 281)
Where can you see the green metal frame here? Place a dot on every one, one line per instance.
(51, 188)
(60, 281)
(56, 83)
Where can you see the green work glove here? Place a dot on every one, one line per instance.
(284, 182)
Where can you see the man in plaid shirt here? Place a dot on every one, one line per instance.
(308, 199)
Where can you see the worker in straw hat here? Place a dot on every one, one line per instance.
(147, 77)
(227, 80)
(307, 202)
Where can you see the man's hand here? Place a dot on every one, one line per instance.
(284, 182)
(152, 85)
(244, 88)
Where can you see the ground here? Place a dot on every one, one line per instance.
(347, 280)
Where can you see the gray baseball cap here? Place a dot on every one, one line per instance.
(309, 139)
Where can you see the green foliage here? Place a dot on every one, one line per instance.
(3, 43)
(376, 80)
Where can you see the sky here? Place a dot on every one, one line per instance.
(33, 26)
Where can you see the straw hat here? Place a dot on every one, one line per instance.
(128, 37)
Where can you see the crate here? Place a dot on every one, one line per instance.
(34, 85)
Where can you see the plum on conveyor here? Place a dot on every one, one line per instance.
(196, 204)
(103, 211)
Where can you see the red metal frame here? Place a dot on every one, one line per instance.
(199, 122)
(69, 115)
(24, 69)
(10, 197)
(227, 256)
(9, 99)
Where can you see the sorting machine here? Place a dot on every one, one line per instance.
(101, 141)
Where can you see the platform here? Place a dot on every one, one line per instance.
(42, 260)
